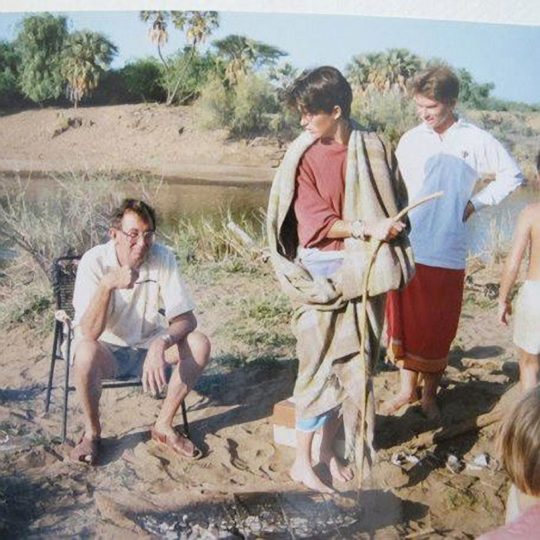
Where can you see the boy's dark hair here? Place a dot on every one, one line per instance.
(143, 210)
(437, 82)
(538, 162)
(320, 90)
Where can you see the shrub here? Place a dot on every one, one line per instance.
(143, 80)
(254, 103)
(186, 75)
(112, 90)
(9, 89)
(215, 107)
(249, 108)
(218, 240)
(389, 113)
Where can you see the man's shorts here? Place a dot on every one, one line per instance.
(527, 318)
(129, 361)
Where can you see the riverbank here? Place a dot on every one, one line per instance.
(242, 486)
(169, 142)
(120, 139)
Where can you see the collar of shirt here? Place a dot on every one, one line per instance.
(459, 123)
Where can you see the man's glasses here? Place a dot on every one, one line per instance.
(134, 236)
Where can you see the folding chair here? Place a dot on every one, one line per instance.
(64, 273)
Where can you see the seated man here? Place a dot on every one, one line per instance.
(119, 331)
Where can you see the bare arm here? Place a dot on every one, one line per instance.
(512, 264)
(95, 316)
(382, 229)
(153, 378)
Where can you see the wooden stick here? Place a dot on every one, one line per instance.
(427, 198)
(361, 434)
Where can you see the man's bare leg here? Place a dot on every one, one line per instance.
(192, 355)
(407, 394)
(339, 471)
(302, 469)
(93, 363)
(429, 395)
(529, 369)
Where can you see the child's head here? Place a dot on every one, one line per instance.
(320, 90)
(519, 443)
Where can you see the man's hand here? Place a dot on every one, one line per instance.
(122, 277)
(504, 310)
(468, 211)
(153, 376)
(384, 229)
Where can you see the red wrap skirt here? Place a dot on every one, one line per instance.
(422, 319)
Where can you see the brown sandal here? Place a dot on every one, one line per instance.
(177, 444)
(86, 451)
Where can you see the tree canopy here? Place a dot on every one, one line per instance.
(383, 71)
(9, 73)
(240, 54)
(85, 57)
(197, 27)
(39, 44)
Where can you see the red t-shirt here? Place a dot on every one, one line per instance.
(320, 187)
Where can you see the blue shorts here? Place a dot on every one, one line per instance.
(129, 361)
(315, 422)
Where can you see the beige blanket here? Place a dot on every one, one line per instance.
(332, 368)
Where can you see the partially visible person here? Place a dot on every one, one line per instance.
(443, 153)
(120, 333)
(519, 448)
(527, 319)
(334, 192)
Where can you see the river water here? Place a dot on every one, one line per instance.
(489, 230)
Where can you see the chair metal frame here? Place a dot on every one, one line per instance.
(64, 272)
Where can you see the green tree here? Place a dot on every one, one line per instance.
(471, 93)
(39, 45)
(360, 72)
(240, 54)
(9, 60)
(142, 79)
(196, 26)
(383, 71)
(85, 57)
(188, 72)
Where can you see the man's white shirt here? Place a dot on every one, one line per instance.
(452, 163)
(133, 317)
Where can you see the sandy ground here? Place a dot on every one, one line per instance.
(149, 137)
(241, 487)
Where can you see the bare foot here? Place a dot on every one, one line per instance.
(431, 409)
(339, 471)
(393, 405)
(304, 474)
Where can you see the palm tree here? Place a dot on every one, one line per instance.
(85, 57)
(383, 71)
(240, 54)
(361, 70)
(197, 26)
(158, 31)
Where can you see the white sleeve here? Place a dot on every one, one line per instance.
(494, 159)
(174, 292)
(87, 282)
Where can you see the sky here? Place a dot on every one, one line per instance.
(506, 55)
